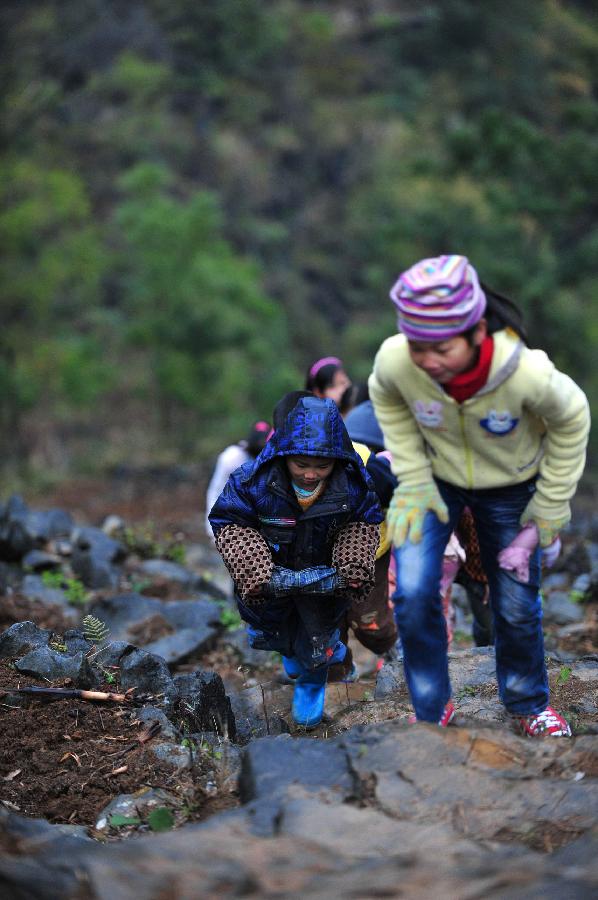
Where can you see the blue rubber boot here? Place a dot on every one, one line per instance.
(292, 667)
(309, 696)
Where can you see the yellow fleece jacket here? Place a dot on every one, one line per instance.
(385, 543)
(529, 419)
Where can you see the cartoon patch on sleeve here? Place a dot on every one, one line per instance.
(428, 413)
(499, 422)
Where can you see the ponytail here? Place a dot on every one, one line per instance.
(501, 312)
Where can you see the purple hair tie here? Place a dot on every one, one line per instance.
(325, 361)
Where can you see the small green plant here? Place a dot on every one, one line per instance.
(95, 630)
(161, 819)
(577, 596)
(118, 821)
(230, 618)
(74, 589)
(138, 585)
(144, 541)
(564, 675)
(175, 552)
(53, 579)
(468, 690)
(461, 637)
(58, 646)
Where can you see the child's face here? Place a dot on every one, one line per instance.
(442, 360)
(336, 389)
(308, 471)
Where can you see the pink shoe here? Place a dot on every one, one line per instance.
(548, 722)
(446, 718)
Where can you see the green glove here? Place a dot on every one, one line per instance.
(548, 529)
(407, 510)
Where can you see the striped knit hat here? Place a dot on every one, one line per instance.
(438, 298)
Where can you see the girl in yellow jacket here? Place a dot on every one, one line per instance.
(473, 417)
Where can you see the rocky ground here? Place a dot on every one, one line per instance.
(189, 779)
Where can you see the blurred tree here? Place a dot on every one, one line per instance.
(218, 348)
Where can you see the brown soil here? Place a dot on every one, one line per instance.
(171, 507)
(65, 760)
(15, 608)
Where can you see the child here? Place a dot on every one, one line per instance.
(474, 418)
(372, 620)
(298, 530)
(230, 459)
(327, 378)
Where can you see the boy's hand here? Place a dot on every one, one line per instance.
(408, 508)
(356, 585)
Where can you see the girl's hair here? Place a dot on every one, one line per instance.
(501, 312)
(321, 374)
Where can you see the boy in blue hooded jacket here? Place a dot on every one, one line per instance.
(298, 529)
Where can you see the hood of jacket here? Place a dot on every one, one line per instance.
(314, 427)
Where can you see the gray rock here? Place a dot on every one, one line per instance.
(169, 571)
(146, 672)
(112, 654)
(422, 773)
(95, 557)
(390, 679)
(200, 700)
(227, 860)
(76, 641)
(95, 540)
(36, 835)
(22, 637)
(150, 714)
(95, 573)
(34, 588)
(184, 642)
(196, 622)
(473, 667)
(55, 666)
(237, 639)
(122, 611)
(559, 610)
(23, 530)
(582, 583)
(40, 561)
(138, 805)
(555, 581)
(271, 765)
(255, 716)
(173, 755)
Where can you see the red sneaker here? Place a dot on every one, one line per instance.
(448, 715)
(446, 718)
(548, 722)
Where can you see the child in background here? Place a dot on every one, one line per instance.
(327, 378)
(230, 459)
(371, 620)
(298, 530)
(474, 418)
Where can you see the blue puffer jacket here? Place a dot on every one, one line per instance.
(259, 494)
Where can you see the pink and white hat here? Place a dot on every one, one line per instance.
(438, 298)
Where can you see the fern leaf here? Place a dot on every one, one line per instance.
(94, 629)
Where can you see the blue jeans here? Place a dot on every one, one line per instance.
(516, 607)
(305, 628)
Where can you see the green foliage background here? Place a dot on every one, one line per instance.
(200, 198)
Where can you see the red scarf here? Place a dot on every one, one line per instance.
(466, 384)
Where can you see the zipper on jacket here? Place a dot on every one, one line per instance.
(467, 450)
